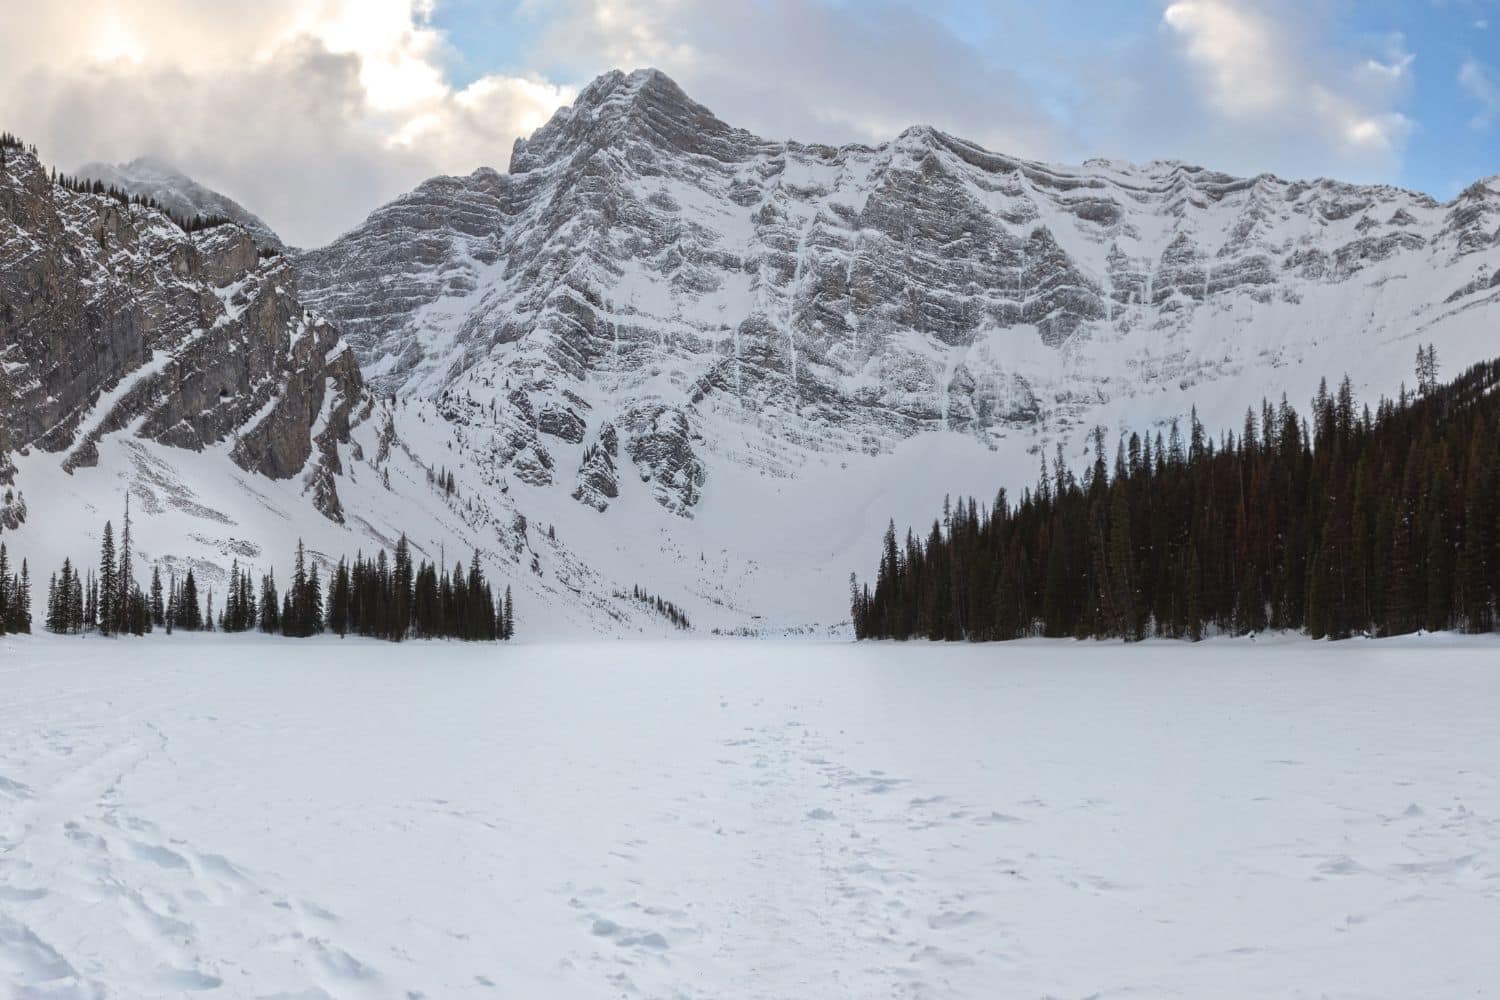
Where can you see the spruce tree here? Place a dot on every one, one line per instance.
(106, 610)
(158, 611)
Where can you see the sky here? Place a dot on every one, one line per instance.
(314, 112)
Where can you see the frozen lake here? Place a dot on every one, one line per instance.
(251, 817)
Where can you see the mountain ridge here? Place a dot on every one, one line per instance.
(180, 194)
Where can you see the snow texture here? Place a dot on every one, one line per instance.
(240, 816)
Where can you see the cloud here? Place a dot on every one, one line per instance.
(1251, 86)
(1259, 67)
(1479, 83)
(809, 69)
(310, 112)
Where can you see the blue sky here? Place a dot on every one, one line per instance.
(1447, 135)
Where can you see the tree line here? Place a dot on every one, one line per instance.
(80, 185)
(1355, 523)
(188, 224)
(663, 607)
(387, 598)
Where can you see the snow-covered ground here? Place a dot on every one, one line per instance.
(267, 818)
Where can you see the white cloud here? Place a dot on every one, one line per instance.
(311, 112)
(1258, 69)
(1480, 84)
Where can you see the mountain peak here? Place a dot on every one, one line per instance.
(617, 85)
(644, 104)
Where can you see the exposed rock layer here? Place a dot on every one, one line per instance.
(112, 319)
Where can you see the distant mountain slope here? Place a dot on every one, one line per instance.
(178, 194)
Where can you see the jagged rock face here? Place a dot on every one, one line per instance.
(179, 194)
(115, 320)
(646, 267)
(598, 481)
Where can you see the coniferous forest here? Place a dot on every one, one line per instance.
(1347, 523)
(387, 598)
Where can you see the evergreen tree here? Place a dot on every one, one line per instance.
(106, 611)
(338, 602)
(7, 588)
(158, 611)
(21, 602)
(124, 576)
(189, 611)
(270, 607)
(76, 605)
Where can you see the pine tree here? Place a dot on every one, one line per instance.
(189, 612)
(158, 611)
(295, 612)
(312, 604)
(338, 602)
(124, 576)
(7, 612)
(270, 607)
(105, 607)
(76, 606)
(21, 603)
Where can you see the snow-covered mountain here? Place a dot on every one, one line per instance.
(788, 343)
(663, 351)
(178, 193)
(181, 371)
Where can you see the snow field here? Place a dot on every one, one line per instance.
(237, 816)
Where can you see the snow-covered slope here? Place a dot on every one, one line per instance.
(178, 193)
(721, 362)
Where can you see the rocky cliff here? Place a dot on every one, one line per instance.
(113, 320)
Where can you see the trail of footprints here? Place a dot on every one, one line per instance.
(184, 911)
(860, 851)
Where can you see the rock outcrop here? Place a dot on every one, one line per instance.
(115, 320)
